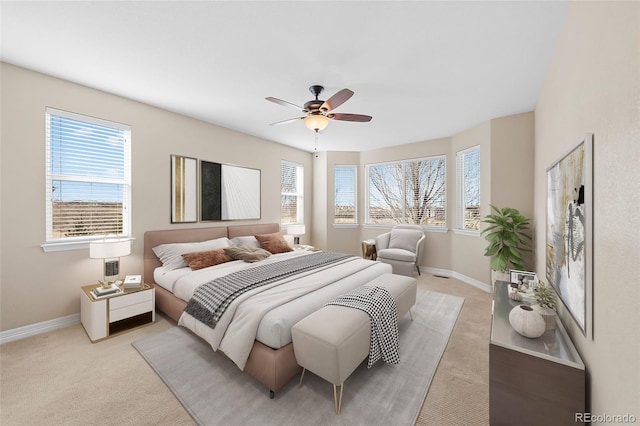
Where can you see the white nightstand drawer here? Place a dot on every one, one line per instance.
(130, 311)
(130, 299)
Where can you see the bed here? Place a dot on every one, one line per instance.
(272, 363)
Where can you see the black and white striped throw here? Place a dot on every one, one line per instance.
(211, 300)
(383, 312)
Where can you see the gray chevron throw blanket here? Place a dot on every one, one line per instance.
(383, 312)
(211, 299)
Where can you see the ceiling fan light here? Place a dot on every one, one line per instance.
(316, 122)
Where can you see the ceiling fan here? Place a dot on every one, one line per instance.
(319, 112)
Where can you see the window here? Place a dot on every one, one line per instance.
(345, 195)
(411, 192)
(468, 189)
(88, 177)
(291, 193)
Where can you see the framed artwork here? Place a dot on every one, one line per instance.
(228, 192)
(184, 189)
(523, 277)
(569, 232)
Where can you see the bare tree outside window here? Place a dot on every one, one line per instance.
(411, 192)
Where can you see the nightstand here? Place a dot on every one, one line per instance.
(102, 318)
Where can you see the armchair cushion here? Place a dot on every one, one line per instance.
(397, 254)
(405, 239)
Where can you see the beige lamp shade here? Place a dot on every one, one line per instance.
(296, 230)
(107, 249)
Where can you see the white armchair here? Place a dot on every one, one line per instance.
(401, 248)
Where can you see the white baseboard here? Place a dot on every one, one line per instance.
(452, 274)
(39, 328)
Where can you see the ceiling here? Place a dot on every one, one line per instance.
(423, 70)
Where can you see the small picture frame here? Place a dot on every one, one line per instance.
(525, 279)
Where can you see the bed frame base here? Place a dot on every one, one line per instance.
(271, 367)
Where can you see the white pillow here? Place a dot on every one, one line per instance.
(249, 241)
(171, 254)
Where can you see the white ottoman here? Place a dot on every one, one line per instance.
(334, 340)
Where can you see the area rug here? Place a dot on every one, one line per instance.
(215, 392)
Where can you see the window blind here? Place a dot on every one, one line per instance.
(411, 191)
(88, 176)
(345, 194)
(291, 193)
(468, 189)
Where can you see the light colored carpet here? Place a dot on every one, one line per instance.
(61, 378)
(217, 393)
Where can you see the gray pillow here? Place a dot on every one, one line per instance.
(246, 253)
(248, 241)
(405, 239)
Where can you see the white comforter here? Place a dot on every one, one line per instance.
(235, 333)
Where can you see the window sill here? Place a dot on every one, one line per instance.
(345, 225)
(467, 232)
(71, 245)
(425, 228)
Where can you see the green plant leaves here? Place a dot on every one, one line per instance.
(507, 237)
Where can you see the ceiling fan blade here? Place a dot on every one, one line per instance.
(290, 120)
(285, 103)
(336, 100)
(351, 117)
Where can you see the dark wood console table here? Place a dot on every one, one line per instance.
(532, 381)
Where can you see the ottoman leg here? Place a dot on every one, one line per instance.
(302, 377)
(338, 401)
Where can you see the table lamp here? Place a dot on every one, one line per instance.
(296, 231)
(110, 251)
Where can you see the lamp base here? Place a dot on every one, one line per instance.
(296, 240)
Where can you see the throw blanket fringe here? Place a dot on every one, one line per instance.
(210, 300)
(383, 312)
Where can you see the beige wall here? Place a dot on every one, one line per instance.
(37, 286)
(467, 251)
(593, 86)
(512, 147)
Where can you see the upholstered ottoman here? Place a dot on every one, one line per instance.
(334, 340)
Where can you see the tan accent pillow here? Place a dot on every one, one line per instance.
(246, 253)
(275, 243)
(202, 259)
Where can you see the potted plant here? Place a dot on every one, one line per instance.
(508, 238)
(546, 304)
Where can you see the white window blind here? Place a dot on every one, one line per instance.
(468, 189)
(291, 193)
(411, 192)
(345, 195)
(88, 177)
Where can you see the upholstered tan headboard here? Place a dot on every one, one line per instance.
(186, 235)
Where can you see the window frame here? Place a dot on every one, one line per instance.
(460, 189)
(299, 193)
(78, 242)
(354, 168)
(431, 228)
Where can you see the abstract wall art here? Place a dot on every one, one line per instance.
(184, 189)
(569, 231)
(228, 192)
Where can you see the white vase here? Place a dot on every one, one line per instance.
(527, 322)
(548, 314)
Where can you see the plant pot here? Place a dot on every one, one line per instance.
(548, 314)
(527, 322)
(499, 276)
